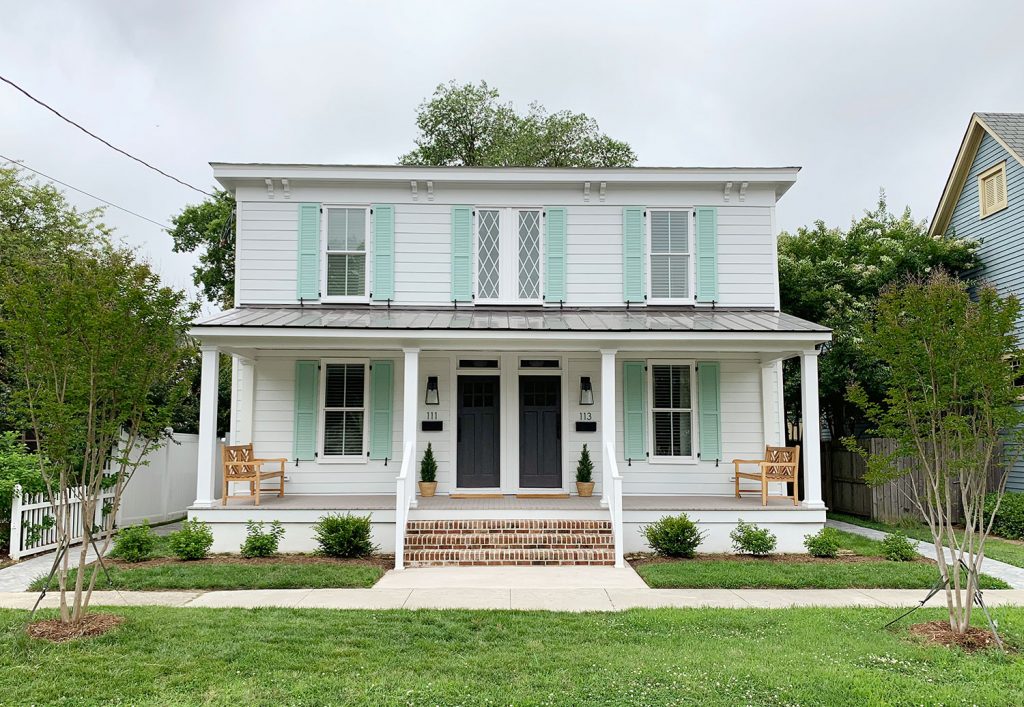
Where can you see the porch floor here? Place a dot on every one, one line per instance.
(384, 502)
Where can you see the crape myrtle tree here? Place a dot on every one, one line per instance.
(834, 277)
(949, 404)
(94, 344)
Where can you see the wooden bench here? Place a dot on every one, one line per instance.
(780, 464)
(240, 465)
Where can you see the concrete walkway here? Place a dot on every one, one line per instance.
(1014, 576)
(531, 588)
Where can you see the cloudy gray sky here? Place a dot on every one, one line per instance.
(860, 94)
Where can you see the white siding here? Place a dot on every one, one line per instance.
(266, 257)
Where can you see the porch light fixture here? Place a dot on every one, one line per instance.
(431, 398)
(586, 391)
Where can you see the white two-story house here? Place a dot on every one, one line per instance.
(507, 317)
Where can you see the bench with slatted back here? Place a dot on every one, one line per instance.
(240, 465)
(780, 464)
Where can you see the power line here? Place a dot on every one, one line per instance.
(82, 191)
(97, 137)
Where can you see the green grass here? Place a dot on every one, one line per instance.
(164, 656)
(280, 574)
(1008, 551)
(753, 573)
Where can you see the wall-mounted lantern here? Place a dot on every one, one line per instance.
(432, 398)
(586, 391)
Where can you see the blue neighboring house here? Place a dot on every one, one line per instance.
(984, 200)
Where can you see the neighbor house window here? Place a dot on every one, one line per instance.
(671, 254)
(992, 190)
(671, 410)
(346, 252)
(344, 408)
(508, 249)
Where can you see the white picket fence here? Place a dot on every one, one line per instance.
(161, 489)
(32, 513)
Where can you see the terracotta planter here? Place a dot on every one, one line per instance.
(585, 488)
(427, 488)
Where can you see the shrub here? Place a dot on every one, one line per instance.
(585, 469)
(898, 547)
(824, 543)
(17, 466)
(674, 536)
(344, 535)
(749, 539)
(259, 542)
(1009, 521)
(192, 542)
(428, 467)
(134, 544)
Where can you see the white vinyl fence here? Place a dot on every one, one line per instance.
(159, 490)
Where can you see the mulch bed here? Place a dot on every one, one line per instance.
(939, 633)
(90, 625)
(385, 562)
(639, 559)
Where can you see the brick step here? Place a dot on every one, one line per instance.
(508, 540)
(508, 557)
(509, 526)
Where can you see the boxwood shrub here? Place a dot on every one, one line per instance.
(674, 536)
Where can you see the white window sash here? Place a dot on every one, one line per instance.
(691, 273)
(322, 456)
(654, 458)
(365, 252)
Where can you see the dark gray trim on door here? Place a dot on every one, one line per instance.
(540, 432)
(478, 432)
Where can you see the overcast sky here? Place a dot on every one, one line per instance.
(862, 95)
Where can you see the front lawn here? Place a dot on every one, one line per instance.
(163, 656)
(1009, 551)
(862, 565)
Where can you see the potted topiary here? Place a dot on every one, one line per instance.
(584, 471)
(428, 473)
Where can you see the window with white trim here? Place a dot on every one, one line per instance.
(508, 255)
(671, 254)
(672, 410)
(344, 409)
(345, 264)
(992, 190)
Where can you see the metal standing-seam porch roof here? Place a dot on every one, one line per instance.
(476, 318)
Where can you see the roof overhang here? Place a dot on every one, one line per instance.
(976, 129)
(233, 175)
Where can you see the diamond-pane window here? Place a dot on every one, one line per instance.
(344, 409)
(488, 251)
(529, 254)
(346, 252)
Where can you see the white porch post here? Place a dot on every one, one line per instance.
(410, 404)
(244, 378)
(607, 419)
(812, 429)
(206, 467)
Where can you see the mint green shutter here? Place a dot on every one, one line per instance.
(707, 254)
(383, 252)
(381, 400)
(554, 251)
(308, 260)
(634, 238)
(307, 393)
(462, 253)
(634, 413)
(709, 409)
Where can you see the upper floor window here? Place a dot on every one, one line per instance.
(671, 254)
(345, 267)
(672, 404)
(992, 190)
(508, 247)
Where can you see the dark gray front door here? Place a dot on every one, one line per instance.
(540, 432)
(478, 433)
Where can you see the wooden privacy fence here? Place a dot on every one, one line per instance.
(847, 492)
(32, 520)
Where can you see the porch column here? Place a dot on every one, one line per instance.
(607, 419)
(812, 429)
(206, 467)
(410, 405)
(243, 388)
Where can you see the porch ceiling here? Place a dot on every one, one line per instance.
(499, 327)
